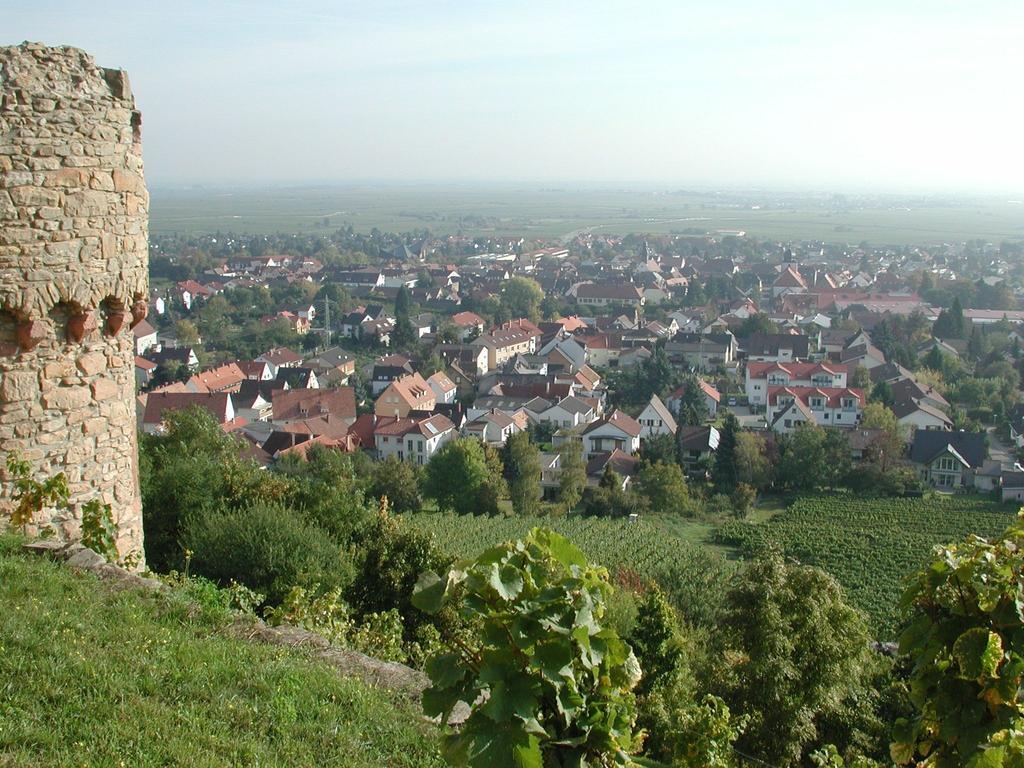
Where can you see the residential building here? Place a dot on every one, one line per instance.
(655, 419)
(948, 460)
(617, 430)
(217, 404)
(788, 407)
(412, 440)
(504, 344)
(760, 376)
(407, 393)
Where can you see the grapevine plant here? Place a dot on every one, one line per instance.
(546, 683)
(966, 639)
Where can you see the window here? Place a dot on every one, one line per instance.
(789, 423)
(947, 464)
(817, 403)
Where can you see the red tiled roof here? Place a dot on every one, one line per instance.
(832, 395)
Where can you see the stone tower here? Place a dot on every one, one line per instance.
(73, 279)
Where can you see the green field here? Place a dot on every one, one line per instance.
(96, 674)
(560, 213)
(693, 573)
(869, 545)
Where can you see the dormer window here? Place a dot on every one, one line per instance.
(817, 403)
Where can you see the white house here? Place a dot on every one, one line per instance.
(760, 376)
(568, 412)
(788, 407)
(614, 431)
(412, 440)
(655, 419)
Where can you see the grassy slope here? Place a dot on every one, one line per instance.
(94, 676)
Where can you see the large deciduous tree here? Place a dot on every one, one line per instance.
(793, 652)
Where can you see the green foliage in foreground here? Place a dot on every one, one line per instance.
(547, 684)
(693, 577)
(96, 676)
(966, 639)
(869, 545)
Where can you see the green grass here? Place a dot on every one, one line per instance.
(550, 213)
(869, 545)
(92, 675)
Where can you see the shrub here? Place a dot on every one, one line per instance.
(547, 683)
(268, 548)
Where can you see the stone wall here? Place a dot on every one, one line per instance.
(73, 279)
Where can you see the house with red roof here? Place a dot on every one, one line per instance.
(412, 440)
(760, 376)
(217, 404)
(788, 407)
(617, 430)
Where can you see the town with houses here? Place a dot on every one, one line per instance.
(425, 340)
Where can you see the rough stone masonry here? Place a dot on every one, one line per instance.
(73, 280)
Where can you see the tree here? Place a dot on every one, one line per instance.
(404, 334)
(965, 638)
(793, 652)
(752, 465)
(802, 458)
(887, 448)
(456, 475)
(186, 332)
(402, 303)
(975, 344)
(882, 393)
(656, 641)
(663, 486)
(725, 471)
(950, 323)
(755, 324)
(522, 471)
(838, 457)
(658, 448)
(536, 696)
(521, 297)
(693, 409)
(572, 473)
(310, 341)
(399, 481)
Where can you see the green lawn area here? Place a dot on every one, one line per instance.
(99, 676)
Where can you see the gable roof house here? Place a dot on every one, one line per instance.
(760, 376)
(337, 405)
(442, 385)
(224, 378)
(493, 427)
(948, 460)
(617, 430)
(867, 355)
(788, 407)
(605, 294)
(505, 343)
(217, 404)
(656, 419)
(145, 337)
(407, 393)
(412, 440)
(921, 415)
(695, 446)
(777, 347)
(386, 369)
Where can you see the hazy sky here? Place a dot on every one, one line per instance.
(830, 93)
